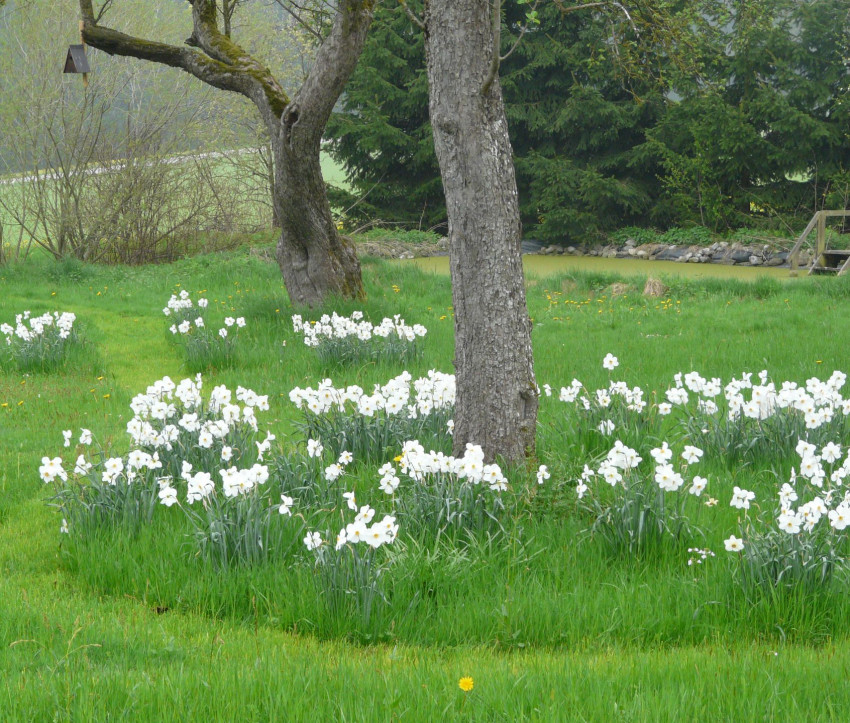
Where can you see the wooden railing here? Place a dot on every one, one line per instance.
(819, 220)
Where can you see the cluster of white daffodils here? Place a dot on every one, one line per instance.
(619, 459)
(354, 327)
(182, 305)
(617, 400)
(29, 328)
(624, 459)
(173, 420)
(182, 308)
(336, 469)
(632, 397)
(829, 503)
(167, 413)
(200, 485)
(401, 395)
(209, 448)
(419, 465)
(383, 532)
(817, 402)
(640, 506)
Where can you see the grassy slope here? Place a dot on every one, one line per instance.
(90, 644)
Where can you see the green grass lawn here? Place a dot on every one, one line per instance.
(549, 625)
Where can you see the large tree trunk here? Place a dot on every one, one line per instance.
(496, 390)
(314, 259)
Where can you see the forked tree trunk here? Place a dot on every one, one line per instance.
(315, 260)
(496, 391)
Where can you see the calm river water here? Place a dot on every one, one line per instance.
(550, 265)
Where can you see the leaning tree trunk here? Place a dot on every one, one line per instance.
(315, 260)
(496, 391)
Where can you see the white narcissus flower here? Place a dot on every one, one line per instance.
(389, 483)
(741, 498)
(606, 427)
(691, 454)
(734, 544)
(350, 500)
(222, 333)
(312, 540)
(839, 518)
(610, 362)
(662, 454)
(698, 485)
(85, 436)
(789, 522)
(831, 452)
(67, 434)
(365, 515)
(168, 495)
(314, 448)
(112, 468)
(542, 474)
(285, 505)
(82, 467)
(63, 528)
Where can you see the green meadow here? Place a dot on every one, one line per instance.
(546, 620)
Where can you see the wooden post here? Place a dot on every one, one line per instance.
(821, 243)
(85, 75)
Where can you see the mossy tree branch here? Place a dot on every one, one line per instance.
(222, 64)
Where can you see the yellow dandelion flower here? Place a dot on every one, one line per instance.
(466, 684)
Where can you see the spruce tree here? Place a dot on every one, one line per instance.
(576, 118)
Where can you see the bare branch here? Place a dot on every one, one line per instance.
(414, 18)
(288, 7)
(103, 10)
(522, 32)
(223, 64)
(585, 6)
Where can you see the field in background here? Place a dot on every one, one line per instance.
(252, 195)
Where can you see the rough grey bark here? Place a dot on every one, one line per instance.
(315, 260)
(497, 396)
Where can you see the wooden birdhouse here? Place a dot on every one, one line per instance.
(76, 60)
